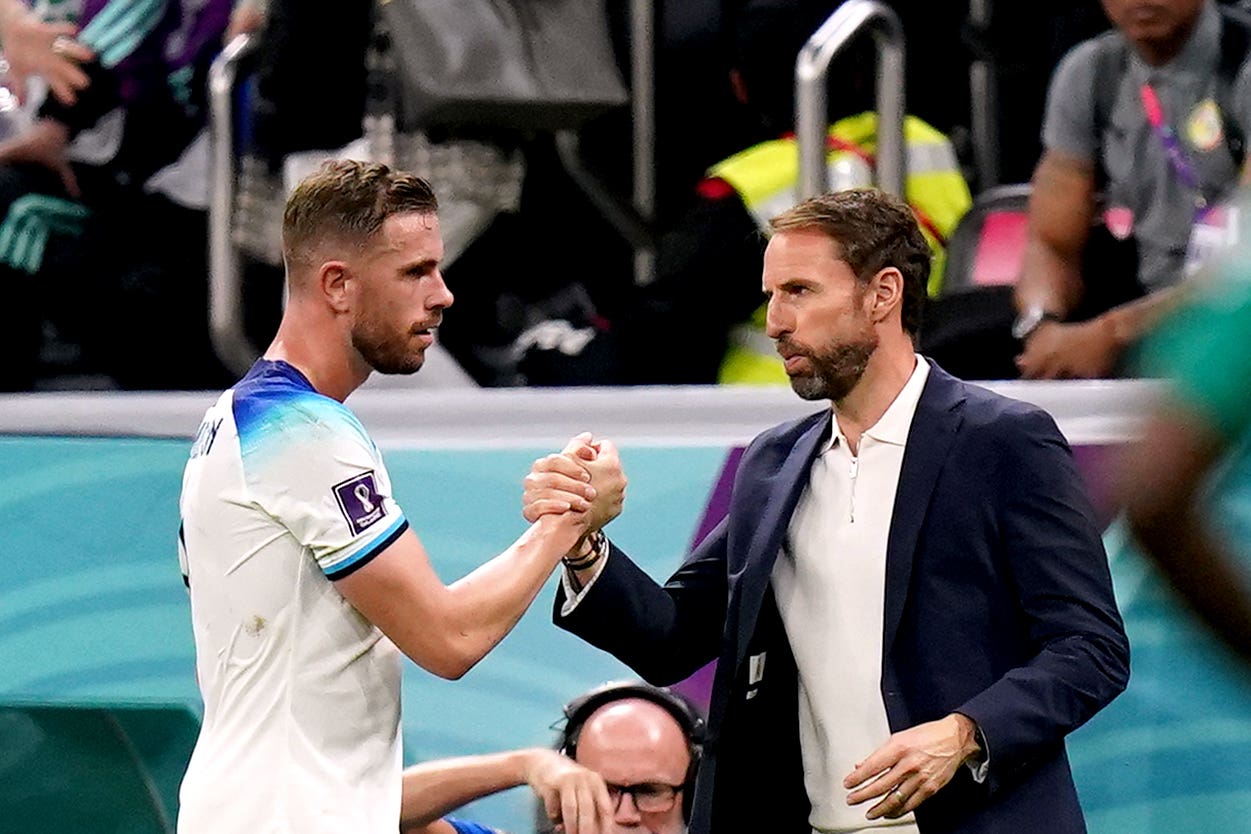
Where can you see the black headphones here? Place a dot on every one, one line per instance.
(683, 710)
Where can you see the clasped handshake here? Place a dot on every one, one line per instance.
(583, 486)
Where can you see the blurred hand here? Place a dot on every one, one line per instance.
(1084, 350)
(43, 143)
(574, 797)
(33, 47)
(245, 19)
(912, 766)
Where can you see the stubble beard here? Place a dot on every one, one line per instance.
(384, 352)
(836, 368)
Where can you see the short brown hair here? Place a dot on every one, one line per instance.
(350, 200)
(871, 230)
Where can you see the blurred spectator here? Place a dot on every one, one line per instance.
(1154, 114)
(1186, 484)
(109, 233)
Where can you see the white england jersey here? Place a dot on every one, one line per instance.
(284, 492)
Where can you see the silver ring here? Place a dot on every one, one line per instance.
(60, 45)
(895, 790)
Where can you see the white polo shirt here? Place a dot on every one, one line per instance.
(830, 584)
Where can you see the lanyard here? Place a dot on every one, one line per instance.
(1172, 147)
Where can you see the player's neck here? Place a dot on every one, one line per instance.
(327, 360)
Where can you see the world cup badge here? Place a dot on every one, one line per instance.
(1203, 126)
(360, 502)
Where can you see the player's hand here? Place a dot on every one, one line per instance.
(574, 797)
(912, 766)
(560, 482)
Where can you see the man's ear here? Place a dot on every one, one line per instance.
(333, 283)
(886, 289)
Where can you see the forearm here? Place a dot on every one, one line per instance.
(1050, 279)
(662, 633)
(1131, 320)
(483, 606)
(433, 789)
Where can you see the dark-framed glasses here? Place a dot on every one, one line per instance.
(649, 797)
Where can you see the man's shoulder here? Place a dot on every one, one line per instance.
(997, 417)
(276, 414)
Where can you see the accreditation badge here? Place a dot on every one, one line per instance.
(1204, 130)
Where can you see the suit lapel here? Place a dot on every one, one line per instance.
(934, 427)
(779, 498)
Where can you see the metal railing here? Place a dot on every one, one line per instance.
(811, 97)
(225, 296)
(984, 90)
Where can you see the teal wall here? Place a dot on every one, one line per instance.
(93, 613)
(93, 610)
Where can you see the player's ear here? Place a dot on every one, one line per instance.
(334, 284)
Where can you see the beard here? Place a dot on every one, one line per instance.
(386, 352)
(836, 367)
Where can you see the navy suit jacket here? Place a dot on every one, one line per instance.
(998, 605)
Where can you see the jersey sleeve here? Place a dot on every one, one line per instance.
(312, 467)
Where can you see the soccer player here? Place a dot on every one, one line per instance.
(306, 580)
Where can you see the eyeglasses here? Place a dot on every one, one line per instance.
(649, 797)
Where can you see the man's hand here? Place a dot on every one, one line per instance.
(33, 47)
(43, 143)
(560, 482)
(912, 766)
(585, 470)
(574, 797)
(609, 481)
(1085, 350)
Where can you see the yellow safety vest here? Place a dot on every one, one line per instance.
(766, 178)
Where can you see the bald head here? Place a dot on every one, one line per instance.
(633, 725)
(634, 742)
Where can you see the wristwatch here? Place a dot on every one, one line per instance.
(1029, 320)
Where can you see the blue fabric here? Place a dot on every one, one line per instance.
(466, 827)
(274, 397)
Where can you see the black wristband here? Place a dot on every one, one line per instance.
(599, 549)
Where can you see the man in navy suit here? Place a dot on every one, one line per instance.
(908, 599)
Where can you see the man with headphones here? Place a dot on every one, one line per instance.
(645, 741)
(640, 743)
